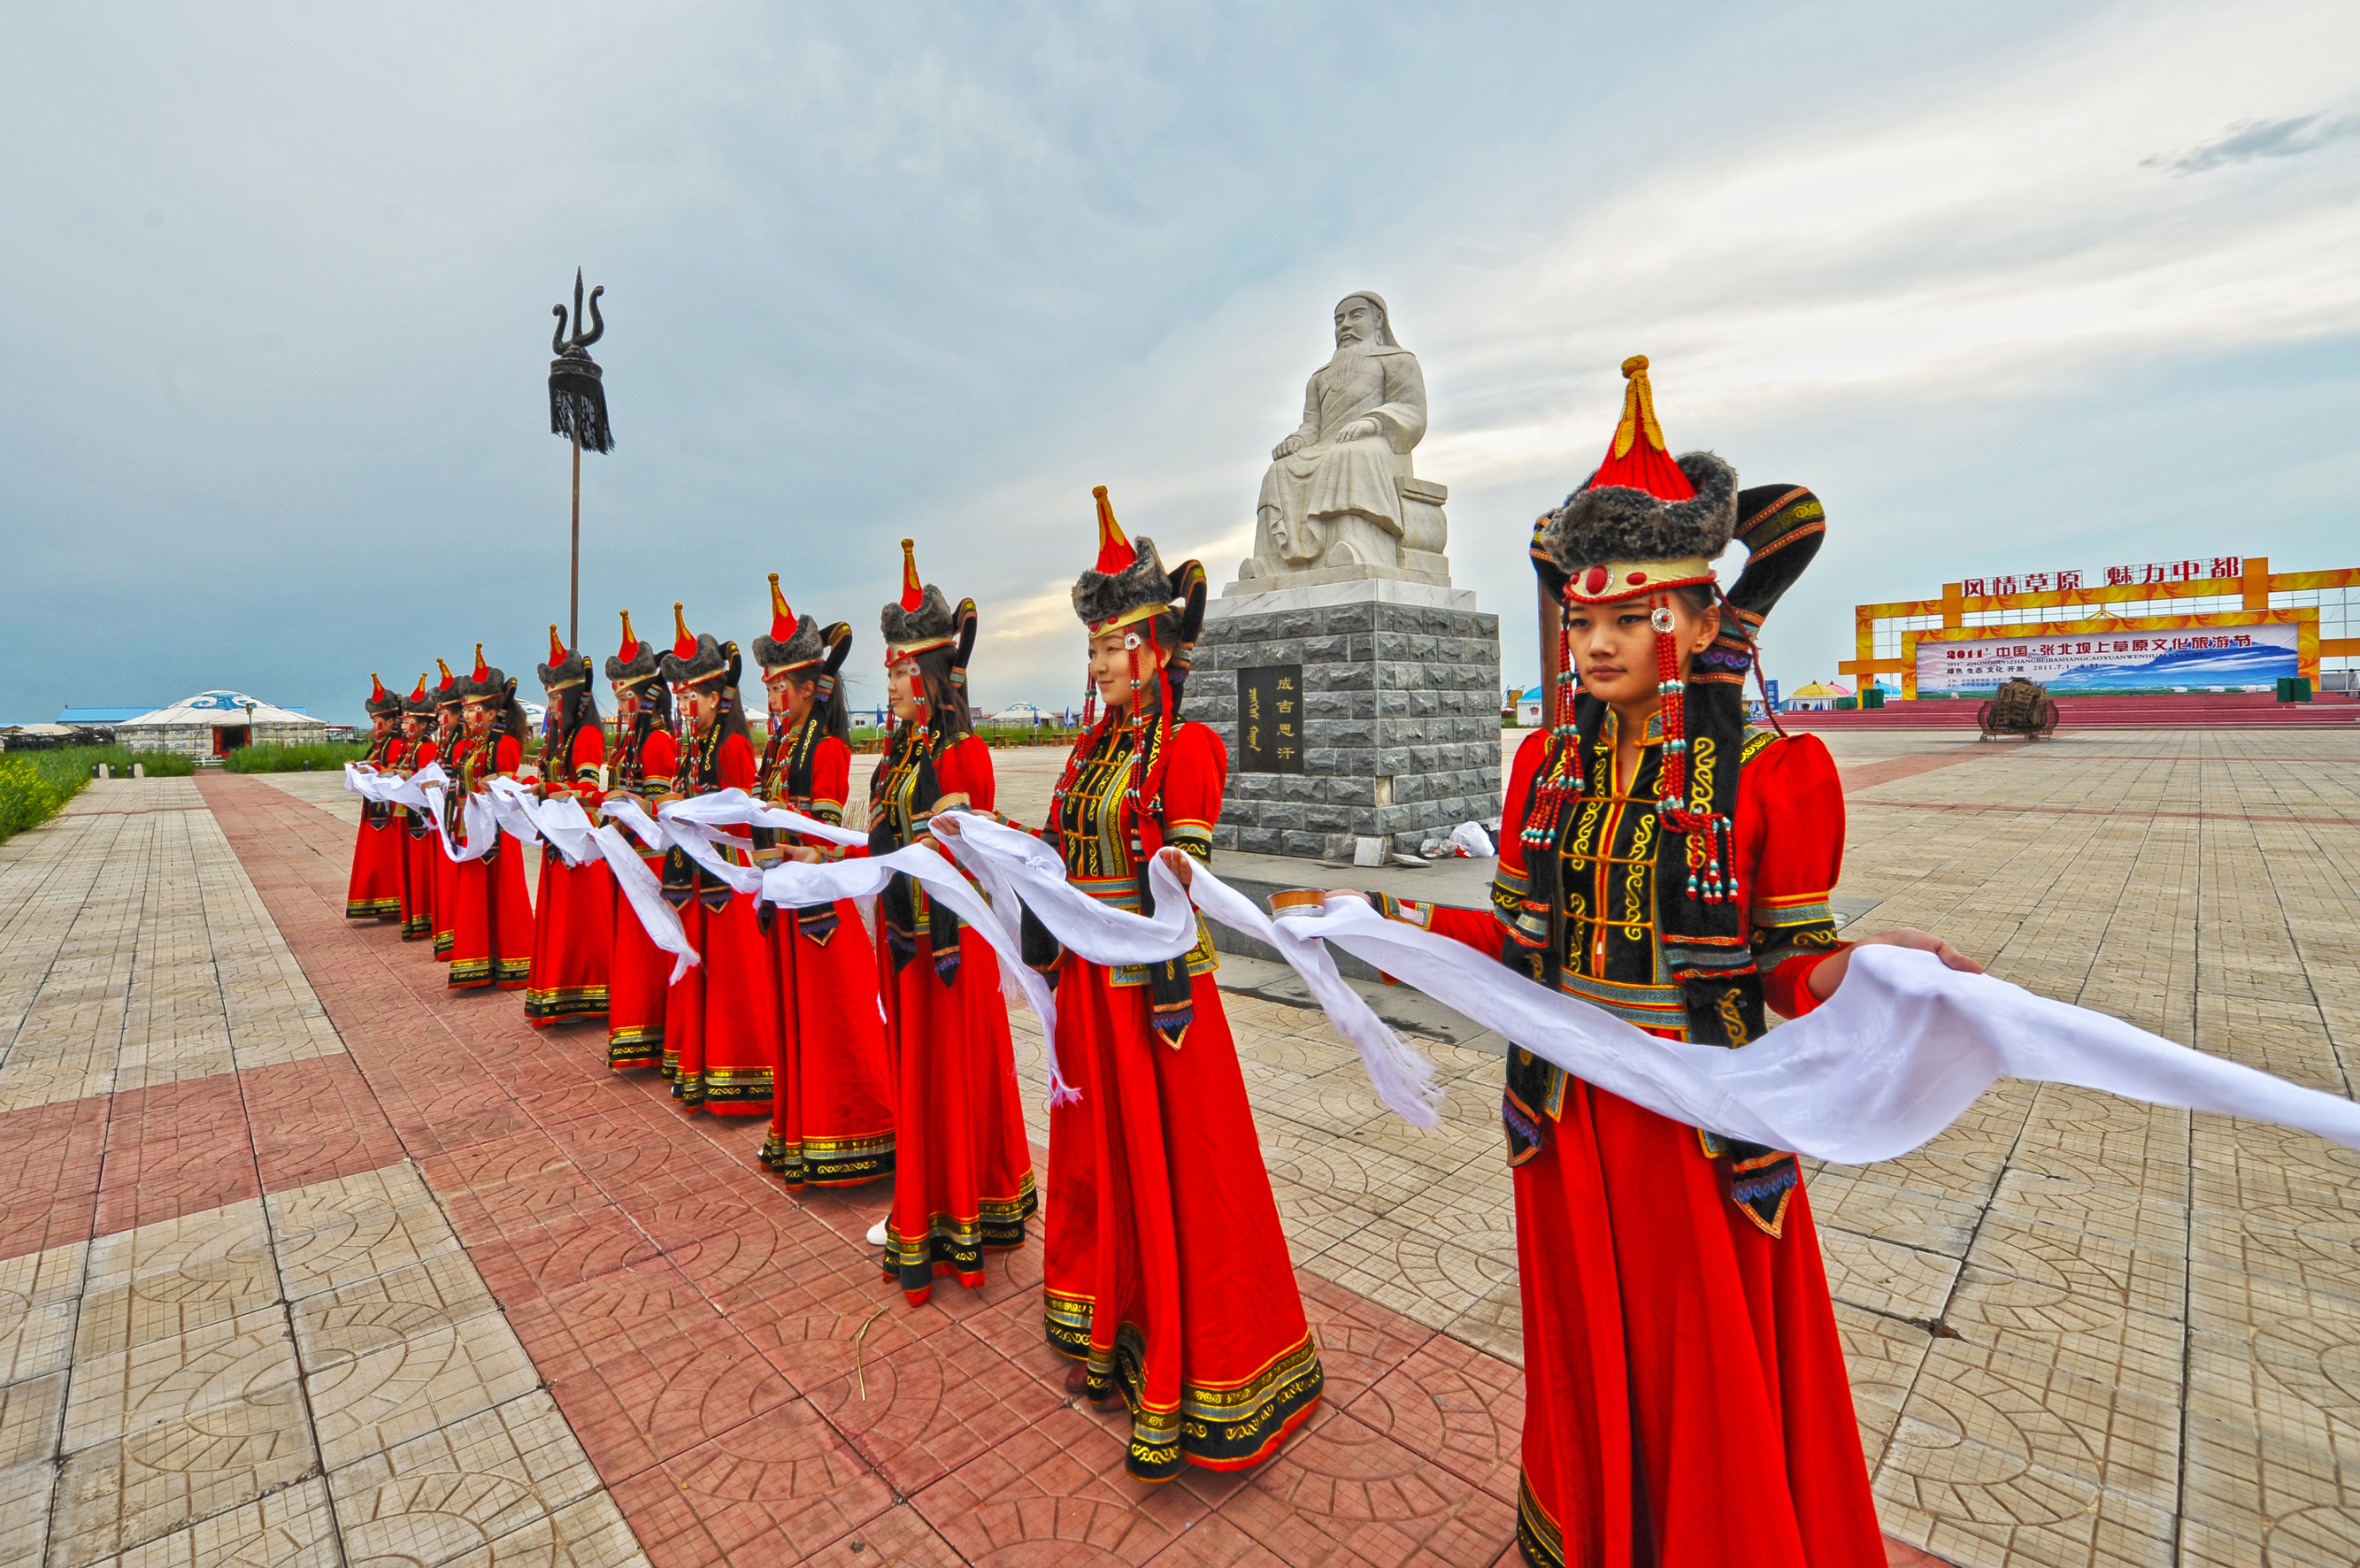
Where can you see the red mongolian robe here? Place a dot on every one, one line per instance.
(832, 1109)
(450, 742)
(721, 1022)
(1686, 1400)
(491, 925)
(375, 891)
(1167, 1271)
(962, 1167)
(422, 849)
(640, 973)
(574, 917)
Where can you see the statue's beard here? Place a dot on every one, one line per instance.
(1349, 354)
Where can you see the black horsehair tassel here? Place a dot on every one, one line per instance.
(577, 391)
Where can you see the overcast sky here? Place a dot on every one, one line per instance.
(2014, 287)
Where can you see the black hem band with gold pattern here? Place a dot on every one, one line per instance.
(1215, 1426)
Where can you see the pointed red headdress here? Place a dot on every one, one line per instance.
(450, 683)
(1637, 459)
(417, 693)
(378, 692)
(630, 649)
(683, 641)
(782, 617)
(1116, 553)
(912, 595)
(482, 670)
(556, 649)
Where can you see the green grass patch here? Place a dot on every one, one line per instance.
(294, 759)
(36, 785)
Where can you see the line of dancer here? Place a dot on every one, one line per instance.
(1687, 1397)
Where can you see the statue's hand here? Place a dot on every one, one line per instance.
(1356, 429)
(1288, 446)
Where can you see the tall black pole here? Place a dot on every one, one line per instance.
(1550, 674)
(574, 594)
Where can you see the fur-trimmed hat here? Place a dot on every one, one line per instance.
(381, 703)
(419, 704)
(793, 641)
(922, 618)
(696, 657)
(486, 683)
(1643, 522)
(1129, 584)
(634, 663)
(564, 669)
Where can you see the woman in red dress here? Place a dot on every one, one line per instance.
(450, 735)
(574, 917)
(721, 1027)
(491, 926)
(963, 1168)
(374, 892)
(1685, 1399)
(639, 976)
(420, 848)
(1168, 1277)
(832, 1113)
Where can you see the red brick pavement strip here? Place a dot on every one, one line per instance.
(732, 1360)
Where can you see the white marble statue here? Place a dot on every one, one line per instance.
(1340, 499)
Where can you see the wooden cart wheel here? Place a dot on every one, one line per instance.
(1984, 719)
(2048, 726)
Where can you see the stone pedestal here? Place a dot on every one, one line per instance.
(1396, 736)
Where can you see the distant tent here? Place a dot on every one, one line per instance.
(1817, 695)
(214, 724)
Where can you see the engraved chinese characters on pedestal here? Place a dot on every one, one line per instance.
(1270, 719)
(1340, 501)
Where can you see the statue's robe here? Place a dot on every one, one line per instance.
(1326, 477)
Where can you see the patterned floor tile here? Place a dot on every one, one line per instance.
(402, 1304)
(372, 1401)
(931, 1407)
(1054, 1492)
(1462, 1409)
(218, 1450)
(645, 1367)
(454, 1492)
(290, 1528)
(775, 1488)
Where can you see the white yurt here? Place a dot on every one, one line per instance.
(213, 723)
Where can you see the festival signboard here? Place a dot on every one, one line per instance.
(2223, 651)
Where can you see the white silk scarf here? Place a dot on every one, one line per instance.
(1897, 1055)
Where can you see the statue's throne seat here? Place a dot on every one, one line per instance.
(1425, 531)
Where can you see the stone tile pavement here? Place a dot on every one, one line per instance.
(445, 1290)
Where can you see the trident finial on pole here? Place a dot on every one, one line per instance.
(577, 410)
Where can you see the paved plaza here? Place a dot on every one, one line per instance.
(305, 1260)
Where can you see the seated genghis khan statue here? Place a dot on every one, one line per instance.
(374, 891)
(491, 928)
(639, 976)
(831, 1113)
(1166, 1272)
(1661, 862)
(962, 1168)
(721, 1033)
(574, 917)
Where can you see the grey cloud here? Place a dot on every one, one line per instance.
(2249, 139)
